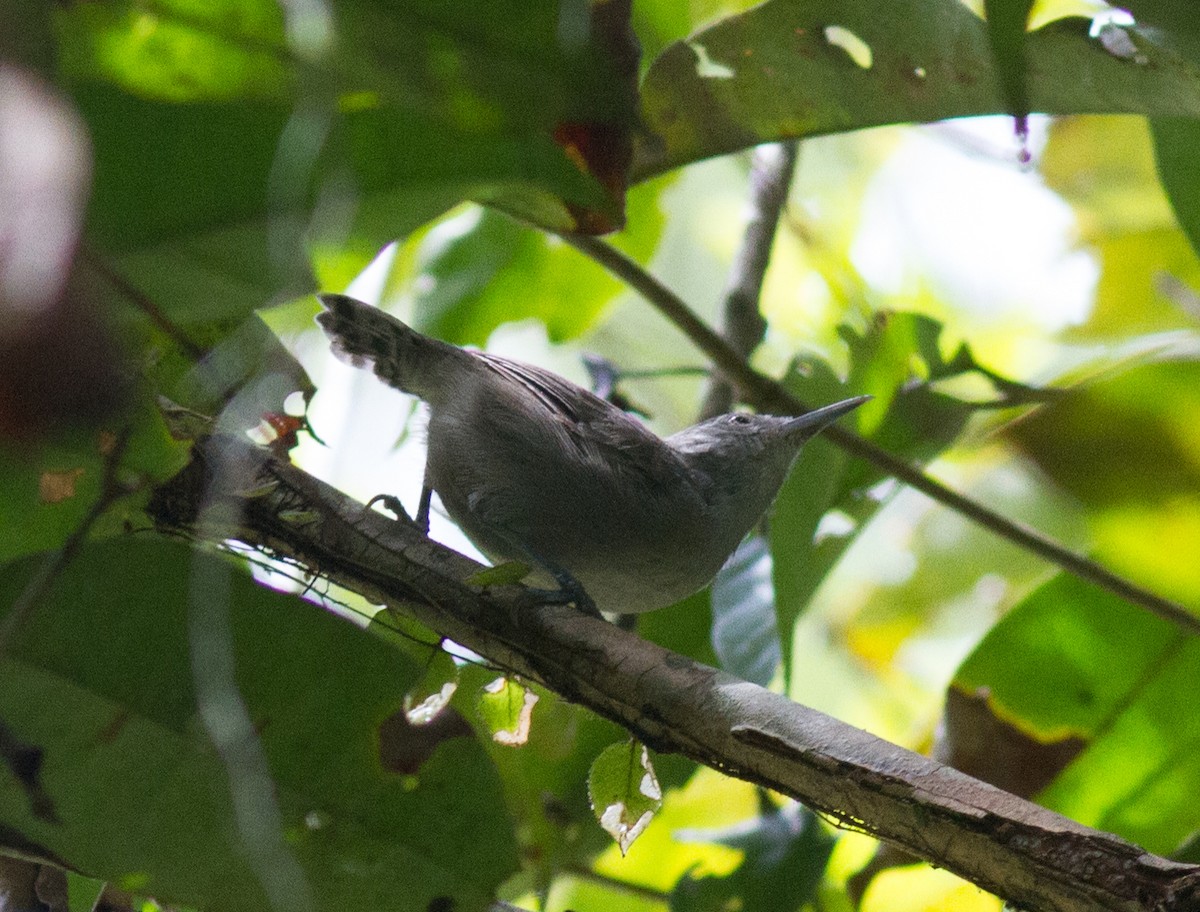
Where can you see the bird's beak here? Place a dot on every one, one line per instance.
(812, 423)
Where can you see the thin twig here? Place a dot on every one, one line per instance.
(143, 302)
(771, 170)
(768, 395)
(615, 883)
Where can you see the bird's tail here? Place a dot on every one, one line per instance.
(364, 336)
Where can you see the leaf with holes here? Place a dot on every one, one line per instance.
(624, 791)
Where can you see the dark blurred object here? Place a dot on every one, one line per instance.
(605, 376)
(58, 360)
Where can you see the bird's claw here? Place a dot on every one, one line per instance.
(392, 504)
(570, 593)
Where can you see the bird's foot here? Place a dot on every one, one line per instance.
(392, 504)
(570, 591)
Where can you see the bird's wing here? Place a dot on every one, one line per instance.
(562, 399)
(594, 426)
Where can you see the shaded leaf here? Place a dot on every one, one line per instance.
(224, 156)
(1006, 24)
(771, 74)
(744, 633)
(786, 852)
(246, 377)
(1176, 145)
(83, 892)
(1124, 440)
(685, 627)
(1174, 22)
(145, 798)
(545, 781)
(32, 479)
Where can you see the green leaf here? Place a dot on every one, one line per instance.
(545, 781)
(246, 375)
(624, 792)
(143, 797)
(772, 73)
(179, 50)
(48, 487)
(1124, 440)
(82, 892)
(786, 853)
(1072, 661)
(228, 150)
(506, 574)
(1175, 22)
(480, 269)
(1176, 141)
(685, 627)
(506, 707)
(31, 45)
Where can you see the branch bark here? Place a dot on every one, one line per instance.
(1030, 856)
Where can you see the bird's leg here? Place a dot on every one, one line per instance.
(392, 504)
(569, 591)
(423, 508)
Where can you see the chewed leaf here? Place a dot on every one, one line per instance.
(422, 713)
(507, 708)
(433, 692)
(624, 791)
(505, 574)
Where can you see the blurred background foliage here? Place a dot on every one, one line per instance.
(1023, 305)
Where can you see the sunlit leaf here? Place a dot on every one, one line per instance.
(825, 503)
(1074, 662)
(507, 709)
(479, 269)
(624, 792)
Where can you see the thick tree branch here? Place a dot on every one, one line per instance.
(1033, 857)
(768, 395)
(771, 170)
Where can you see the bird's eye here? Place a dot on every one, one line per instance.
(739, 419)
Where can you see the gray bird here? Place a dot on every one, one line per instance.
(536, 469)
